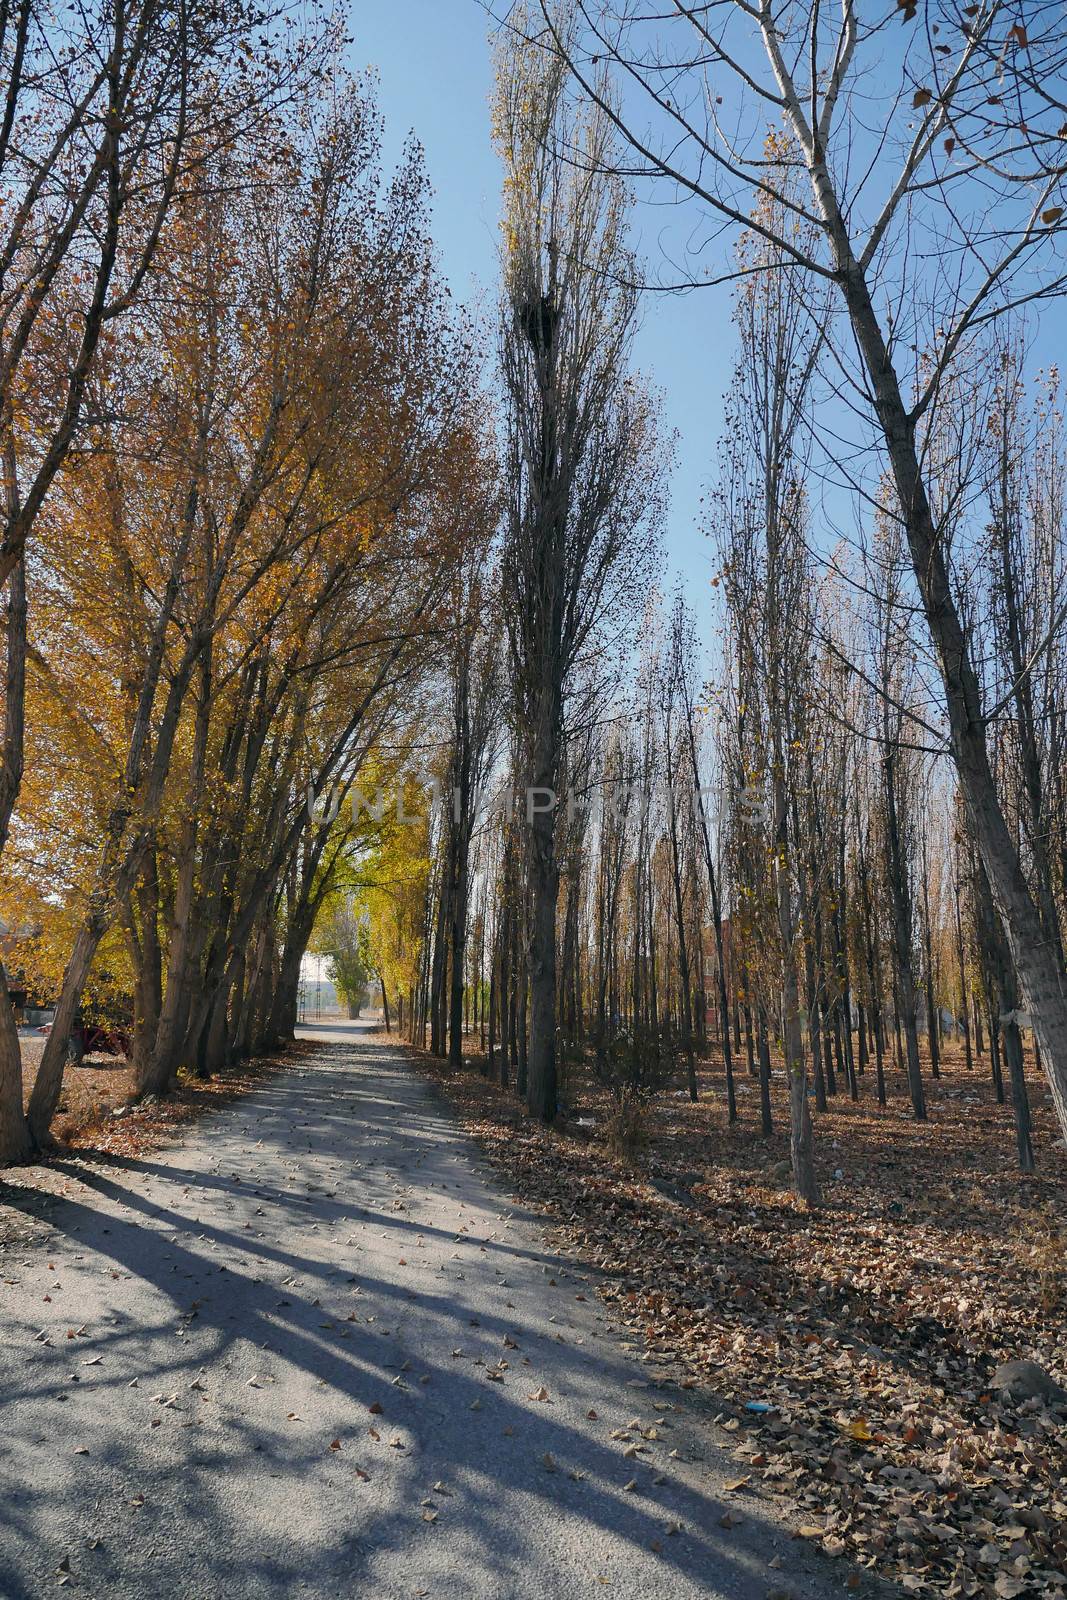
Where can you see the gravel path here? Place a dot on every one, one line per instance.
(314, 1351)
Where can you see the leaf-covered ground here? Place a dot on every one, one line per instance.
(866, 1333)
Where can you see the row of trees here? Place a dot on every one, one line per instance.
(846, 826)
(242, 432)
(266, 558)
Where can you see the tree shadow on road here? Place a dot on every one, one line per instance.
(256, 1501)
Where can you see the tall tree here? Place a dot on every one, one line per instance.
(763, 509)
(581, 451)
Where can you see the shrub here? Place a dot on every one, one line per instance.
(633, 1064)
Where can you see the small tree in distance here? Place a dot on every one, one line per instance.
(342, 938)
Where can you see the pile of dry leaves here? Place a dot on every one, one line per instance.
(853, 1348)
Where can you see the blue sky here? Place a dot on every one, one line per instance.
(433, 58)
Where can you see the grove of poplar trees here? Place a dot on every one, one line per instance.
(827, 844)
(283, 532)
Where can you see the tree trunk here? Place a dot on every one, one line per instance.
(965, 1011)
(902, 938)
(439, 968)
(1004, 1022)
(801, 1139)
(159, 1071)
(1034, 957)
(933, 1030)
(521, 1037)
(685, 999)
(766, 1118)
(16, 1143)
(212, 1049)
(148, 990)
(814, 1041)
(238, 1010)
(49, 1082)
(459, 948)
(541, 1084)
